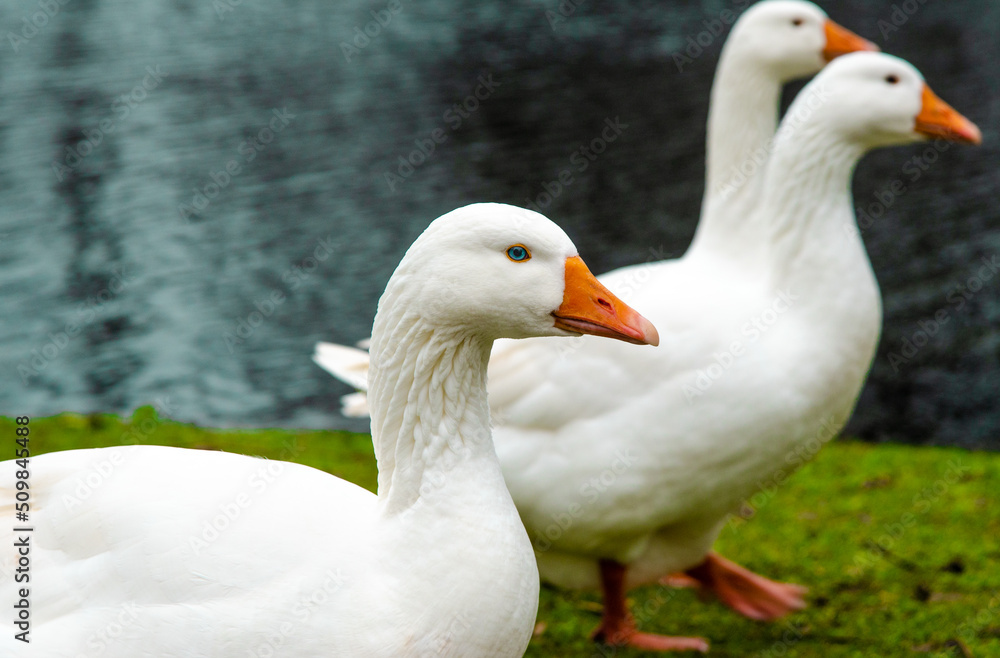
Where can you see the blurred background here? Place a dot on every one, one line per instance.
(194, 193)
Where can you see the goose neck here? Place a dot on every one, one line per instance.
(808, 191)
(427, 391)
(741, 123)
(816, 248)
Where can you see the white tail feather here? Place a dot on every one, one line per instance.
(349, 365)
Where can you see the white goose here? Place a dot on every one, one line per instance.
(176, 552)
(626, 477)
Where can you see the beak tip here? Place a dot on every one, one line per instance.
(649, 333)
(975, 134)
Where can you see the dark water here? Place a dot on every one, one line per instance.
(194, 193)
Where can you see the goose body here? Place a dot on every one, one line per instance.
(723, 403)
(177, 552)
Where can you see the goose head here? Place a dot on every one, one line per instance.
(792, 38)
(874, 100)
(505, 272)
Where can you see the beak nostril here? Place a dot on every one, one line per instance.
(603, 302)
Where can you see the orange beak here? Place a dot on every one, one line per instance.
(590, 308)
(938, 119)
(840, 41)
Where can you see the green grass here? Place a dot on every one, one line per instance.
(926, 591)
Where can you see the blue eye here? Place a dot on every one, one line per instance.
(518, 253)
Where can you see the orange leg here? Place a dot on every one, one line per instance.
(745, 592)
(617, 626)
